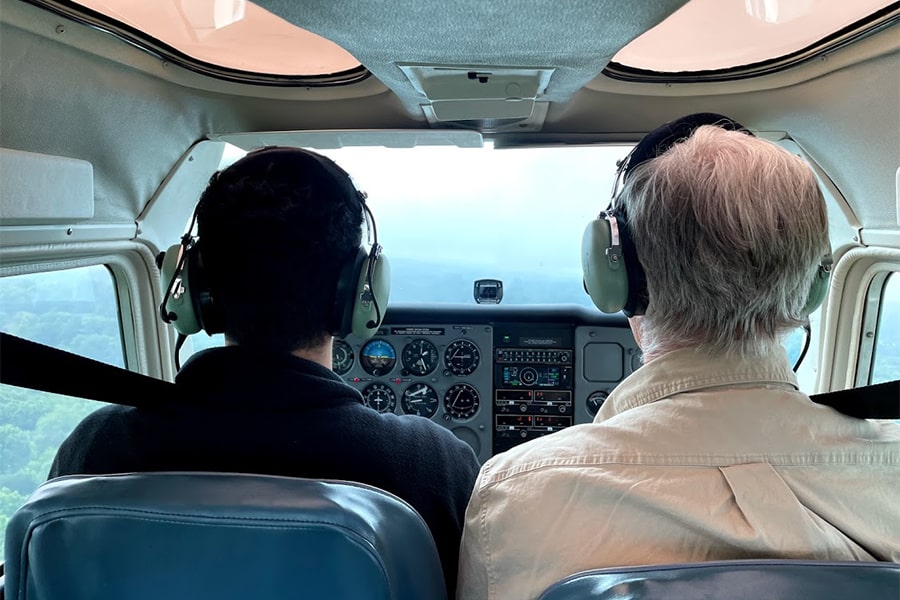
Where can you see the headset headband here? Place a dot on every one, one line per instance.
(665, 136)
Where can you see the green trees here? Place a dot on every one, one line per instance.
(74, 310)
(32, 427)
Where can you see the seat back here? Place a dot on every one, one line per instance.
(214, 535)
(734, 580)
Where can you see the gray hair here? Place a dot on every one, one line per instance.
(730, 230)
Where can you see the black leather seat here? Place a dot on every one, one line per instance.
(213, 535)
(734, 580)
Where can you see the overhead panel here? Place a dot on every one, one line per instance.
(462, 92)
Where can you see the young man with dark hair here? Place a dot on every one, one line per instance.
(276, 231)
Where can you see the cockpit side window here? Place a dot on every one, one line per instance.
(74, 310)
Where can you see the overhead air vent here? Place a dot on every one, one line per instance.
(478, 92)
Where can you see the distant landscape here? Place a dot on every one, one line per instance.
(417, 280)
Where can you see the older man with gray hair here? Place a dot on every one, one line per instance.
(716, 247)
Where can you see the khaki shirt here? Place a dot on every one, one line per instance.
(691, 458)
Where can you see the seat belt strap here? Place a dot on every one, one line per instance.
(28, 364)
(879, 401)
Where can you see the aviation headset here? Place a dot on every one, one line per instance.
(363, 283)
(613, 276)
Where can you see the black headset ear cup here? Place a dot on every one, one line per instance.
(605, 275)
(179, 304)
(819, 287)
(342, 310)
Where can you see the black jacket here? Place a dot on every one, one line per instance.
(283, 415)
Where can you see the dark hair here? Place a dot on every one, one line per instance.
(274, 229)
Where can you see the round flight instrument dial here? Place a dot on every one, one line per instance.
(380, 397)
(462, 357)
(419, 399)
(377, 357)
(420, 357)
(341, 357)
(461, 401)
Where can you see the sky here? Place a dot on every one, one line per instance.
(491, 213)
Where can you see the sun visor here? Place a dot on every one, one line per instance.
(459, 92)
(40, 188)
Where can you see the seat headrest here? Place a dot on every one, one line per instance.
(735, 580)
(192, 535)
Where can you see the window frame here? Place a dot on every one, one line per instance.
(146, 343)
(871, 325)
(842, 331)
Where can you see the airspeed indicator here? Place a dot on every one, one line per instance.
(419, 399)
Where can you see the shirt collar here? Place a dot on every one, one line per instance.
(689, 370)
(239, 376)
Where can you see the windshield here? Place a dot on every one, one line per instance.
(447, 216)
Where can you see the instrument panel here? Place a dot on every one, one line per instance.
(495, 383)
(436, 371)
